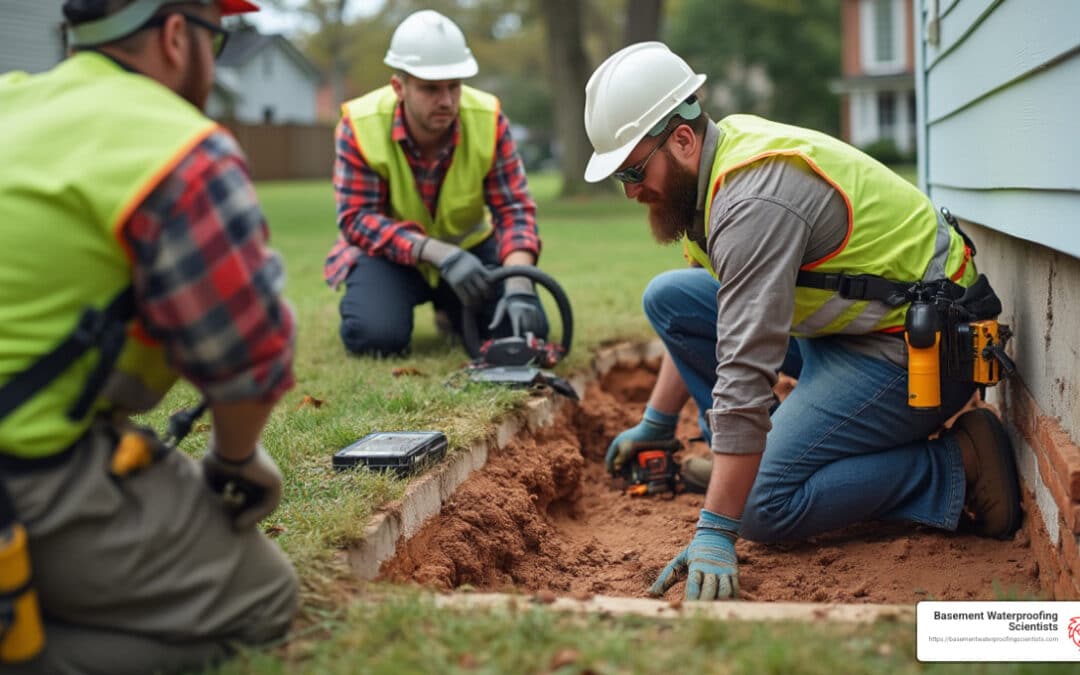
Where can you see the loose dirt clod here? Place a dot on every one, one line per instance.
(544, 516)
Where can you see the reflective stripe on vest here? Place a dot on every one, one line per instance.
(85, 143)
(893, 231)
(460, 212)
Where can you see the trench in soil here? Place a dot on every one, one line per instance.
(543, 516)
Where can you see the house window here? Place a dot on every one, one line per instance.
(268, 114)
(882, 36)
(268, 64)
(886, 110)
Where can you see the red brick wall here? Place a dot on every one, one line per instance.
(1058, 460)
(849, 17)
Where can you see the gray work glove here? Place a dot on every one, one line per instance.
(461, 270)
(250, 490)
(519, 302)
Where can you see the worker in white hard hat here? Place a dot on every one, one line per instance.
(134, 252)
(806, 237)
(418, 160)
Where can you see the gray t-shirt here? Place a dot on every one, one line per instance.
(767, 220)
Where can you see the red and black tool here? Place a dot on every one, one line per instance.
(652, 469)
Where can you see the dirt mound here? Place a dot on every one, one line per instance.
(543, 515)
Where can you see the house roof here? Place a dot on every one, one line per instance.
(246, 43)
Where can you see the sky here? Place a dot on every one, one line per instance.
(270, 20)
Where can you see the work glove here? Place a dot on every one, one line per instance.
(250, 490)
(520, 304)
(709, 562)
(461, 270)
(654, 426)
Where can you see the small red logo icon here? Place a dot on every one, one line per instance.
(1074, 630)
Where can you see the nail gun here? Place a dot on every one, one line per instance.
(652, 469)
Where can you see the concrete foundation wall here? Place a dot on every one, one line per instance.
(1040, 290)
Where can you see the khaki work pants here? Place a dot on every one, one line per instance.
(143, 574)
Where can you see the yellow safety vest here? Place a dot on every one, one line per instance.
(893, 231)
(84, 144)
(459, 216)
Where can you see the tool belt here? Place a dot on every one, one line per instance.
(951, 331)
(22, 636)
(971, 341)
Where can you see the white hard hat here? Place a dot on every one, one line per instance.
(430, 46)
(633, 91)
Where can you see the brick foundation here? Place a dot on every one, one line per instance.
(1058, 462)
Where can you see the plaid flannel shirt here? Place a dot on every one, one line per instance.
(363, 200)
(206, 285)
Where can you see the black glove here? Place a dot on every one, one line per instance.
(468, 277)
(250, 490)
(461, 270)
(525, 313)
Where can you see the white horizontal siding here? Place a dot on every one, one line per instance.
(30, 37)
(274, 81)
(955, 20)
(1014, 40)
(998, 110)
(1044, 217)
(1024, 136)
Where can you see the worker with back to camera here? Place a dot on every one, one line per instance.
(807, 236)
(417, 161)
(132, 251)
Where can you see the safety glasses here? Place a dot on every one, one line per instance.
(635, 174)
(219, 38)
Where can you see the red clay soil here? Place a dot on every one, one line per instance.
(544, 517)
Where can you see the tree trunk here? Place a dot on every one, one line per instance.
(642, 20)
(569, 72)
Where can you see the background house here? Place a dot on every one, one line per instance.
(264, 79)
(877, 90)
(999, 94)
(31, 35)
(258, 79)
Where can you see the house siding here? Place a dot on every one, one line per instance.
(1001, 99)
(30, 35)
(289, 93)
(999, 94)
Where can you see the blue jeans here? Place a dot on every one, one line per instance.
(380, 295)
(681, 306)
(845, 447)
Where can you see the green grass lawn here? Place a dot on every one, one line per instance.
(599, 249)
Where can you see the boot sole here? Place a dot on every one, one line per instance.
(1006, 466)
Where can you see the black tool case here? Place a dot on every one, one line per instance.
(405, 452)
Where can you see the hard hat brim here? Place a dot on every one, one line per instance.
(453, 71)
(602, 165)
(236, 7)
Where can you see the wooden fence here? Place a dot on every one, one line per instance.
(286, 151)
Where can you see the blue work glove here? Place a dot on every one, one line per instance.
(709, 562)
(654, 426)
(524, 312)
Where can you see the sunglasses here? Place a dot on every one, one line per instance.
(220, 35)
(635, 174)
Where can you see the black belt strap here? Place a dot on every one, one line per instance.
(858, 287)
(7, 507)
(104, 329)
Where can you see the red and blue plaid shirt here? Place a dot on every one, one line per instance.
(206, 285)
(363, 200)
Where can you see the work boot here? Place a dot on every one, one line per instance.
(695, 474)
(992, 497)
